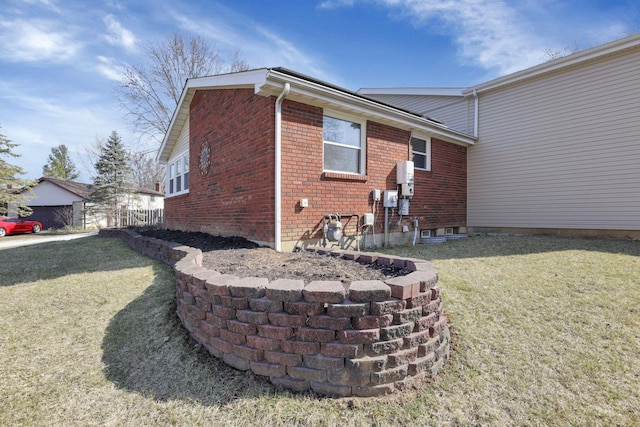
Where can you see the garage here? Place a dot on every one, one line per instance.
(52, 216)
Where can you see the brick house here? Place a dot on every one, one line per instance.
(286, 160)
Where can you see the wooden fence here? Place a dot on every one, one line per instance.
(139, 217)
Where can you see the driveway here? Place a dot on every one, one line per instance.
(7, 242)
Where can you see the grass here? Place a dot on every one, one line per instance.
(547, 333)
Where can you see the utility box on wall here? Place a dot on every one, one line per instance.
(404, 173)
(404, 178)
(390, 199)
(403, 209)
(368, 219)
(406, 189)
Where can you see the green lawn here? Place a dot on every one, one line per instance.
(547, 332)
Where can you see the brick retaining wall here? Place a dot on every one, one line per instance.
(367, 340)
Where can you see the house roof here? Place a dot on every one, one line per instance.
(627, 43)
(348, 92)
(77, 188)
(305, 89)
(142, 190)
(82, 190)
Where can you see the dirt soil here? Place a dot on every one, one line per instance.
(240, 257)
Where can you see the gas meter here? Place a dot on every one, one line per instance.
(333, 228)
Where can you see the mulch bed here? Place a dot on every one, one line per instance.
(243, 258)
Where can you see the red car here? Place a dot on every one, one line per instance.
(18, 225)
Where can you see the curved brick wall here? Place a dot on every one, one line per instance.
(365, 341)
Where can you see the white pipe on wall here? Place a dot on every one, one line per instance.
(278, 168)
(475, 113)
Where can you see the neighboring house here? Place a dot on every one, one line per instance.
(144, 198)
(558, 147)
(58, 203)
(276, 157)
(143, 206)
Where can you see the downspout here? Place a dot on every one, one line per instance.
(475, 113)
(278, 168)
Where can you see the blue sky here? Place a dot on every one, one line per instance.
(59, 59)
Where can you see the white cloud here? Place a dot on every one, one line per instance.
(287, 54)
(332, 4)
(497, 35)
(36, 40)
(109, 68)
(37, 123)
(118, 35)
(48, 4)
(489, 33)
(259, 45)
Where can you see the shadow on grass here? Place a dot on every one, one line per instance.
(493, 246)
(146, 350)
(53, 260)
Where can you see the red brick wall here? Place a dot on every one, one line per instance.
(440, 197)
(236, 197)
(440, 194)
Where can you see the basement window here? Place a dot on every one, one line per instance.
(343, 144)
(421, 149)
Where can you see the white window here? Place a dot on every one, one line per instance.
(421, 149)
(344, 144)
(178, 176)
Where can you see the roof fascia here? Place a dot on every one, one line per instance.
(351, 102)
(616, 46)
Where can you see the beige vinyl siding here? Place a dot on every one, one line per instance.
(182, 143)
(48, 194)
(560, 151)
(453, 111)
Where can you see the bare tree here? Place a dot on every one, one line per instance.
(64, 215)
(144, 170)
(149, 93)
(552, 54)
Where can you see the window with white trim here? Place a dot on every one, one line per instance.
(421, 149)
(343, 144)
(178, 176)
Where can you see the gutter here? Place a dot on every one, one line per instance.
(323, 94)
(278, 168)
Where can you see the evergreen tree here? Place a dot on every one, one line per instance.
(14, 191)
(60, 165)
(112, 183)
